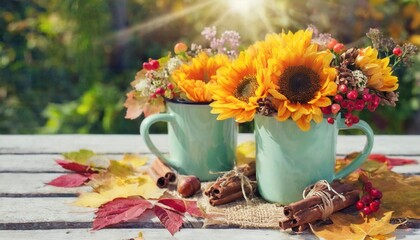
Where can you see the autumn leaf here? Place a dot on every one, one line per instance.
(401, 194)
(129, 165)
(134, 106)
(245, 153)
(120, 169)
(172, 220)
(80, 156)
(69, 180)
(347, 226)
(169, 211)
(73, 166)
(193, 209)
(182, 206)
(391, 161)
(157, 107)
(135, 161)
(120, 210)
(119, 188)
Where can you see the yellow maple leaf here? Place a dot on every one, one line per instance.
(135, 161)
(120, 169)
(121, 187)
(129, 165)
(245, 153)
(80, 156)
(357, 227)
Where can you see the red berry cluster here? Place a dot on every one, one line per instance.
(349, 100)
(151, 65)
(371, 199)
(162, 90)
(397, 51)
(335, 46)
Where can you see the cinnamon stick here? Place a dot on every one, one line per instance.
(160, 181)
(216, 189)
(229, 198)
(233, 185)
(314, 213)
(163, 170)
(301, 228)
(228, 188)
(292, 208)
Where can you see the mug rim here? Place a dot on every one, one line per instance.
(178, 101)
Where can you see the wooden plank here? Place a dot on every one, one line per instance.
(163, 234)
(29, 163)
(33, 210)
(112, 234)
(44, 163)
(40, 163)
(55, 144)
(33, 185)
(19, 144)
(59, 213)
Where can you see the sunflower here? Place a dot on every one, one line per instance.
(195, 79)
(238, 88)
(301, 78)
(378, 71)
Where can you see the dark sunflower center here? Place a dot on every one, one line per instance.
(299, 84)
(246, 88)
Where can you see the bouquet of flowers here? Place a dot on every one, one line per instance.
(185, 77)
(305, 76)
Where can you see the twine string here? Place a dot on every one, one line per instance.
(320, 189)
(228, 177)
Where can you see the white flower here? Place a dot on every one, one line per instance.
(173, 64)
(361, 79)
(141, 85)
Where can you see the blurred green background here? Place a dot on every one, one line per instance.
(65, 65)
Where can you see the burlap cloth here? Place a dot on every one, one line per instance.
(256, 213)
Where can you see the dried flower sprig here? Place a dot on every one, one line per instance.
(159, 79)
(365, 77)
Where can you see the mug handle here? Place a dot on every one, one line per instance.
(361, 125)
(144, 132)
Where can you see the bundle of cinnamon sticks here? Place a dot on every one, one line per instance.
(161, 174)
(300, 214)
(228, 188)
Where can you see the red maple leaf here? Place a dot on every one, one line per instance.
(70, 180)
(120, 210)
(182, 206)
(193, 209)
(75, 167)
(169, 211)
(172, 220)
(391, 162)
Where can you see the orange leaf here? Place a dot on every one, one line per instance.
(357, 227)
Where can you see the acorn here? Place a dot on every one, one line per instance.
(188, 185)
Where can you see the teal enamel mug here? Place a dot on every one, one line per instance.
(289, 159)
(199, 144)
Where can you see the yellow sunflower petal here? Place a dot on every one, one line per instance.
(196, 79)
(239, 86)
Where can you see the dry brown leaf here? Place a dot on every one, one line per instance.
(401, 194)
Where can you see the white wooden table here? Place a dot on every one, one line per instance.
(31, 210)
